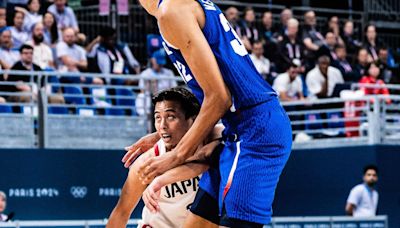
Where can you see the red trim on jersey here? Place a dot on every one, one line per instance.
(156, 150)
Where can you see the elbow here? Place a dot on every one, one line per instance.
(221, 103)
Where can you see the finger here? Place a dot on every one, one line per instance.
(126, 156)
(128, 148)
(153, 194)
(132, 157)
(150, 203)
(145, 199)
(153, 202)
(142, 167)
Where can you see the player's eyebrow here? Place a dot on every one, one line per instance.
(170, 110)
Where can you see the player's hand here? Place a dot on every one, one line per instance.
(151, 196)
(139, 147)
(156, 166)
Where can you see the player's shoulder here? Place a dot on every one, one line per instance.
(168, 7)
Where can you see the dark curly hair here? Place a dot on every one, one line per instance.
(188, 101)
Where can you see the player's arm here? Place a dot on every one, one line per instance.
(179, 22)
(183, 172)
(350, 208)
(130, 195)
(136, 149)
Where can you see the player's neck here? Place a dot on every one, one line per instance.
(151, 6)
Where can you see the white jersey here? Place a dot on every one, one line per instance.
(175, 201)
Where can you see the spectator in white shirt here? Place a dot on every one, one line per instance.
(149, 87)
(289, 84)
(32, 16)
(42, 54)
(322, 80)
(9, 55)
(19, 35)
(72, 57)
(363, 198)
(65, 16)
(157, 69)
(261, 63)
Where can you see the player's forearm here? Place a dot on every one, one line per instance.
(212, 110)
(203, 154)
(181, 173)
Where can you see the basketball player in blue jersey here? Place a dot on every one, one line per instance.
(216, 66)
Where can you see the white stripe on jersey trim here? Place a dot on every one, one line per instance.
(161, 147)
(233, 169)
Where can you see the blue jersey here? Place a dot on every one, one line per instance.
(246, 85)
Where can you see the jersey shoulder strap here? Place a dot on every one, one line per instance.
(159, 148)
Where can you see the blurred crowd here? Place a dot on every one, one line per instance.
(299, 60)
(302, 61)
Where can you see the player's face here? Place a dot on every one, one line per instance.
(370, 177)
(170, 122)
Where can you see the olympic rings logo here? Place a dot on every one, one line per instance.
(78, 191)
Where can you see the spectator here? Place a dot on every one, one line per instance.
(268, 35)
(334, 27)
(360, 65)
(232, 15)
(19, 35)
(3, 205)
(110, 57)
(157, 69)
(32, 16)
(149, 87)
(363, 198)
(261, 63)
(329, 47)
(291, 47)
(371, 78)
(71, 56)
(11, 5)
(322, 80)
(65, 16)
(286, 14)
(342, 64)
(371, 42)
(268, 30)
(9, 55)
(289, 84)
(249, 31)
(25, 64)
(350, 41)
(50, 29)
(42, 54)
(312, 39)
(389, 74)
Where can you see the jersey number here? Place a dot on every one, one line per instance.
(182, 71)
(236, 43)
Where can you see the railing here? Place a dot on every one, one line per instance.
(277, 222)
(91, 116)
(112, 116)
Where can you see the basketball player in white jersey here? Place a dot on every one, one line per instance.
(175, 111)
